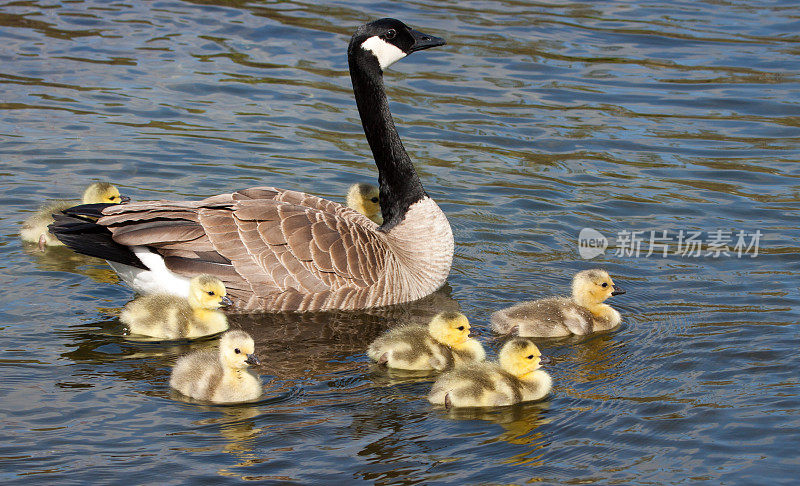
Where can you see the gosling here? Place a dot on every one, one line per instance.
(219, 376)
(441, 345)
(365, 198)
(515, 378)
(34, 229)
(581, 314)
(171, 317)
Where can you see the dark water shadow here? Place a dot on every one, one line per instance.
(308, 345)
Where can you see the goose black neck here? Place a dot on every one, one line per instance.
(400, 186)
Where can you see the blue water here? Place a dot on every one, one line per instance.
(535, 121)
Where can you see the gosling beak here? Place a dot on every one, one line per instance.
(252, 359)
(225, 300)
(124, 199)
(617, 291)
(424, 41)
(544, 360)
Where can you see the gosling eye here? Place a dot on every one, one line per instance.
(460, 328)
(210, 292)
(237, 351)
(530, 356)
(605, 284)
(391, 34)
(111, 198)
(374, 199)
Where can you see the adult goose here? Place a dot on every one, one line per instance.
(279, 250)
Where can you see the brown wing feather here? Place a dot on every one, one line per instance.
(145, 233)
(275, 249)
(316, 244)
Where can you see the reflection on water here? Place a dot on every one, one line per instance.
(534, 122)
(61, 259)
(518, 420)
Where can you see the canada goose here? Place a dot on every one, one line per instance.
(583, 313)
(279, 250)
(365, 198)
(515, 378)
(34, 229)
(440, 345)
(168, 316)
(219, 375)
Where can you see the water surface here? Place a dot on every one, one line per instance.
(535, 121)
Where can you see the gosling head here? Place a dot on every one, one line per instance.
(207, 292)
(365, 198)
(386, 41)
(103, 192)
(593, 287)
(449, 328)
(237, 350)
(521, 357)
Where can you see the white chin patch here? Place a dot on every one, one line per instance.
(386, 53)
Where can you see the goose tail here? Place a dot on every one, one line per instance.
(77, 228)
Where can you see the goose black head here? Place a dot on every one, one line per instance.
(389, 40)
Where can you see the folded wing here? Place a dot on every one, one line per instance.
(287, 249)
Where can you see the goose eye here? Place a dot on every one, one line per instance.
(111, 198)
(391, 34)
(460, 328)
(210, 292)
(530, 356)
(605, 284)
(374, 199)
(237, 351)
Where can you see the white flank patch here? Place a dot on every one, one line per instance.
(158, 279)
(386, 53)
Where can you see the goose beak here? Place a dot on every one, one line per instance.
(424, 41)
(544, 360)
(617, 291)
(225, 300)
(124, 199)
(252, 359)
